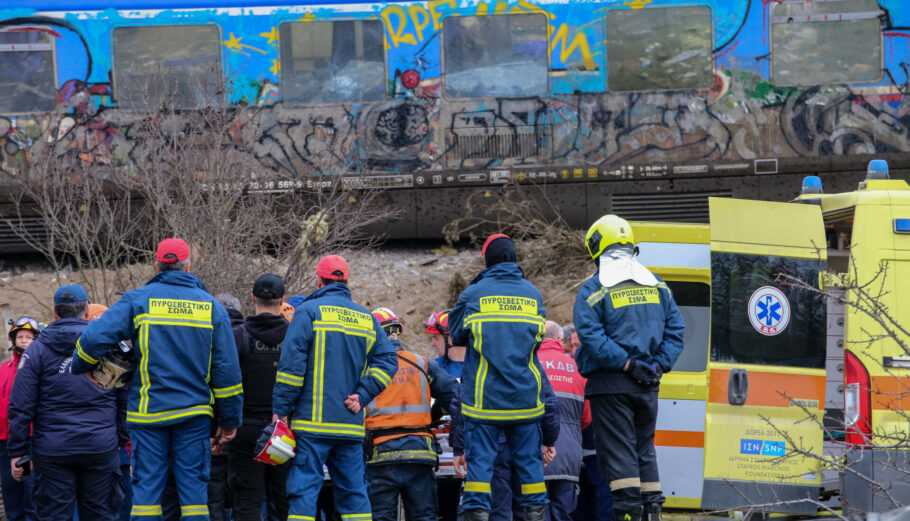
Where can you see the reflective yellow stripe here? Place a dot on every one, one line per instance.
(617, 484)
(532, 367)
(504, 317)
(171, 321)
(477, 486)
(139, 417)
(327, 428)
(83, 355)
(226, 392)
(597, 296)
(356, 516)
(144, 368)
(292, 379)
(501, 414)
(533, 488)
(302, 518)
(650, 486)
(318, 372)
(482, 369)
(380, 375)
(194, 510)
(146, 510)
(281, 378)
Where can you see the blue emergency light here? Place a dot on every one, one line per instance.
(902, 226)
(877, 169)
(812, 184)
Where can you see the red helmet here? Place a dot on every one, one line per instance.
(275, 445)
(389, 322)
(438, 323)
(23, 324)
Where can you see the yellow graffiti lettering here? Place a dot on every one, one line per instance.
(531, 8)
(396, 30)
(416, 11)
(579, 42)
(436, 15)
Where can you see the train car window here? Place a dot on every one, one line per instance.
(694, 302)
(815, 43)
(664, 48)
(27, 72)
(332, 62)
(167, 66)
(495, 56)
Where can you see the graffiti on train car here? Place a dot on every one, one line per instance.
(740, 113)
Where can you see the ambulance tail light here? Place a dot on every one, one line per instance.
(857, 401)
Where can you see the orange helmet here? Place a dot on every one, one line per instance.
(389, 322)
(438, 323)
(95, 311)
(288, 311)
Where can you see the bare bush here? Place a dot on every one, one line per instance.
(189, 174)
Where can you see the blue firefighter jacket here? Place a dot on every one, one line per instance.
(500, 318)
(622, 322)
(56, 413)
(187, 355)
(333, 348)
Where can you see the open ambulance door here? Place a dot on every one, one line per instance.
(766, 367)
(681, 255)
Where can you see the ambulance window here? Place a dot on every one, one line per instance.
(167, 66)
(694, 302)
(758, 319)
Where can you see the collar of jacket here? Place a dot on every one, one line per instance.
(61, 334)
(335, 289)
(551, 344)
(503, 270)
(178, 278)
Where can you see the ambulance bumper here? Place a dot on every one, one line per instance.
(876, 476)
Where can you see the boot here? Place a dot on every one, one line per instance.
(651, 512)
(632, 515)
(534, 513)
(476, 514)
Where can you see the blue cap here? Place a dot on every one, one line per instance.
(812, 184)
(877, 169)
(69, 294)
(296, 300)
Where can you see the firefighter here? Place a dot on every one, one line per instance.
(451, 358)
(631, 333)
(401, 449)
(335, 359)
(187, 362)
(500, 318)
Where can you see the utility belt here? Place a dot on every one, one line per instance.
(373, 456)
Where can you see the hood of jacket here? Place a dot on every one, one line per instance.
(550, 345)
(503, 270)
(60, 335)
(178, 278)
(335, 289)
(268, 328)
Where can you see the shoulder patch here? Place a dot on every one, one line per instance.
(22, 360)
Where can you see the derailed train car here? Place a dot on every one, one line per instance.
(640, 107)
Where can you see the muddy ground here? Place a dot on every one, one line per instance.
(411, 280)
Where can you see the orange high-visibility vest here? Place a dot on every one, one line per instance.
(405, 402)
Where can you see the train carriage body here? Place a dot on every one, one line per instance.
(640, 107)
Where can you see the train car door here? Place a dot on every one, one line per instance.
(681, 255)
(766, 367)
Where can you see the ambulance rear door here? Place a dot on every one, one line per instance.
(766, 366)
(681, 255)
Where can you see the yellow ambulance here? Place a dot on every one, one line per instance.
(771, 367)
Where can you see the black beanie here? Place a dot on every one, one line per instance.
(500, 250)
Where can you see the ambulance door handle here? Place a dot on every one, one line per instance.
(738, 387)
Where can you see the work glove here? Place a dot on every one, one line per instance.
(640, 372)
(657, 372)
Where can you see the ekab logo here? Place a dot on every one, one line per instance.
(762, 447)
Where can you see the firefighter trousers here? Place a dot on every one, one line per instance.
(481, 449)
(346, 468)
(186, 447)
(624, 435)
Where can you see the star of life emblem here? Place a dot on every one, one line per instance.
(769, 310)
